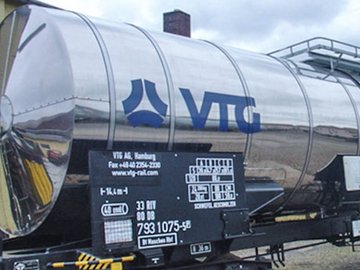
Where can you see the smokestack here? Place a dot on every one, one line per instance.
(177, 22)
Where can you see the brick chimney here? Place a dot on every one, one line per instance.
(177, 22)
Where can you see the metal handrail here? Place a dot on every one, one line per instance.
(317, 43)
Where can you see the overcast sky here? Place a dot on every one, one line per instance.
(257, 25)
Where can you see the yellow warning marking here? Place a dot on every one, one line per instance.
(300, 217)
(116, 266)
(58, 265)
(89, 262)
(81, 256)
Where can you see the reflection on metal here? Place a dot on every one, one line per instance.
(355, 108)
(109, 77)
(7, 221)
(6, 116)
(67, 83)
(40, 182)
(309, 146)
(36, 119)
(6, 56)
(169, 84)
(246, 91)
(31, 36)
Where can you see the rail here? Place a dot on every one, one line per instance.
(324, 51)
(317, 43)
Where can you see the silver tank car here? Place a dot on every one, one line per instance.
(69, 82)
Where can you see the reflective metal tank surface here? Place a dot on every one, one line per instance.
(67, 80)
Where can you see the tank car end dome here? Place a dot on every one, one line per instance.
(36, 118)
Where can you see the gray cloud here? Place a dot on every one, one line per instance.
(255, 21)
(256, 25)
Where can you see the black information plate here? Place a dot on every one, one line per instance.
(145, 200)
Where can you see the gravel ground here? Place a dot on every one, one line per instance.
(323, 257)
(320, 257)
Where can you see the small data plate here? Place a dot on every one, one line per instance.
(200, 248)
(356, 228)
(27, 265)
(352, 172)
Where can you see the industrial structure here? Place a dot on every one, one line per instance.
(177, 22)
(7, 6)
(124, 148)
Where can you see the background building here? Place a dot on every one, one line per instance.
(6, 6)
(177, 22)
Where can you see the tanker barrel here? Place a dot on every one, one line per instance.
(70, 84)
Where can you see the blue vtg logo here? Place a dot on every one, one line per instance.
(144, 117)
(198, 116)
